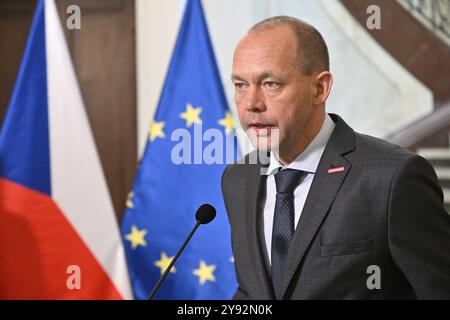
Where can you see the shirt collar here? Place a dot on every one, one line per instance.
(309, 159)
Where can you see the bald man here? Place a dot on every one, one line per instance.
(332, 214)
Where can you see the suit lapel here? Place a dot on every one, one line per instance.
(254, 185)
(321, 195)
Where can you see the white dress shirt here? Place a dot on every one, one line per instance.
(307, 161)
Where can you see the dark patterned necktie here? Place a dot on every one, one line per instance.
(283, 223)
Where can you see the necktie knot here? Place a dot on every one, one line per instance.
(288, 179)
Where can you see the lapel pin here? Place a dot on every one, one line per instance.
(335, 170)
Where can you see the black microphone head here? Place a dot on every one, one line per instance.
(205, 213)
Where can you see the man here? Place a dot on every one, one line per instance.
(336, 214)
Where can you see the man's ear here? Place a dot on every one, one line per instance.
(322, 83)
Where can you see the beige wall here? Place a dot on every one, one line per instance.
(372, 92)
(157, 25)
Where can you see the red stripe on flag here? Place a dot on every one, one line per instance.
(37, 244)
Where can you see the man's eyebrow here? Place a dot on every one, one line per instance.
(236, 77)
(263, 75)
(267, 74)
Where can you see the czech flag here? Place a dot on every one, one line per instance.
(59, 238)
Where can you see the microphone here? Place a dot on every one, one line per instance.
(204, 215)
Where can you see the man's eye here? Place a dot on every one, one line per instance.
(271, 84)
(240, 85)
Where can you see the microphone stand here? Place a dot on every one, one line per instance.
(160, 281)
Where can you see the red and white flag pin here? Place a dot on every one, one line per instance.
(335, 170)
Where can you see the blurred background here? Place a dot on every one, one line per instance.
(392, 82)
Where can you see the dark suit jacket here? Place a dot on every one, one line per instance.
(385, 209)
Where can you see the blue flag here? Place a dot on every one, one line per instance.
(190, 141)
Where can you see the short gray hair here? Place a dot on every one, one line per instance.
(312, 51)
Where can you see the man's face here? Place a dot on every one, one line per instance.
(270, 92)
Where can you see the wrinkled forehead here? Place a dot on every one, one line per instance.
(278, 37)
(257, 54)
(277, 44)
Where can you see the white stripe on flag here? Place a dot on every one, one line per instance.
(78, 184)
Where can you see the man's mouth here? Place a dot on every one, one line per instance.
(261, 128)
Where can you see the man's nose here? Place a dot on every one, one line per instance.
(255, 100)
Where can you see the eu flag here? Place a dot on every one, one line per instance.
(190, 141)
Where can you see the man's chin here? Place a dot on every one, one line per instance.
(266, 142)
(263, 147)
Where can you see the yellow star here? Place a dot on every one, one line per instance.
(228, 122)
(136, 237)
(156, 130)
(191, 115)
(130, 203)
(205, 272)
(164, 262)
